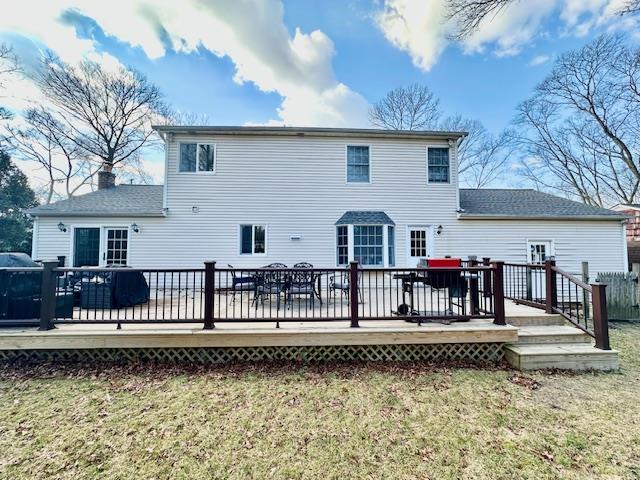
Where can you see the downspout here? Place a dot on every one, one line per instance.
(34, 238)
(167, 138)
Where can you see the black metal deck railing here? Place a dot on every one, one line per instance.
(548, 287)
(213, 295)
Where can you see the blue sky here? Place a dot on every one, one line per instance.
(310, 62)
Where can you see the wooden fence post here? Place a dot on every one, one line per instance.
(353, 293)
(209, 293)
(48, 294)
(600, 316)
(498, 293)
(551, 295)
(474, 300)
(486, 280)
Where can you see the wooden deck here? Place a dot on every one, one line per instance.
(254, 334)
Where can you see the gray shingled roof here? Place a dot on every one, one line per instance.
(365, 218)
(527, 203)
(135, 200)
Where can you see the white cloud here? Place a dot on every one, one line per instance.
(539, 60)
(419, 27)
(251, 33)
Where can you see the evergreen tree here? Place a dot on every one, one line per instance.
(16, 196)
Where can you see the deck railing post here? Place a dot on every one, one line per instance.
(585, 293)
(48, 294)
(209, 293)
(600, 315)
(353, 293)
(498, 293)
(551, 294)
(474, 301)
(486, 278)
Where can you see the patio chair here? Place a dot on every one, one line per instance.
(303, 283)
(340, 282)
(269, 283)
(239, 284)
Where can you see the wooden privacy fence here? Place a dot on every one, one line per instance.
(622, 294)
(548, 287)
(275, 294)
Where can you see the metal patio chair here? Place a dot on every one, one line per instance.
(303, 281)
(270, 283)
(243, 283)
(340, 282)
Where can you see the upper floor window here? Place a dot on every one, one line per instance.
(358, 170)
(197, 157)
(438, 164)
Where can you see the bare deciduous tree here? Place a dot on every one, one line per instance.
(8, 65)
(481, 156)
(469, 14)
(406, 108)
(107, 115)
(44, 141)
(581, 128)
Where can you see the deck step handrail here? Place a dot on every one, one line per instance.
(581, 304)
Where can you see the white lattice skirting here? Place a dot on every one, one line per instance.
(472, 352)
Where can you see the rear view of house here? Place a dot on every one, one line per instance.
(252, 196)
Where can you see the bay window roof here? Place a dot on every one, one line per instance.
(365, 218)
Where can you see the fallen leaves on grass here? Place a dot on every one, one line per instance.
(524, 381)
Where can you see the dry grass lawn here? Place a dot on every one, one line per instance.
(329, 422)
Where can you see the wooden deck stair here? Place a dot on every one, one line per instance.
(547, 341)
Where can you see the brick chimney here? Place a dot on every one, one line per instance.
(106, 180)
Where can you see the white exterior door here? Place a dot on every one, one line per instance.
(537, 252)
(419, 244)
(116, 246)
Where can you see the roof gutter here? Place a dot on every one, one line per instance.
(309, 132)
(485, 216)
(95, 214)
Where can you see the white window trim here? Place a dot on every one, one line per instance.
(102, 253)
(351, 243)
(253, 236)
(335, 245)
(346, 163)
(426, 161)
(529, 241)
(197, 170)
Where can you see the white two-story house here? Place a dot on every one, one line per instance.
(252, 196)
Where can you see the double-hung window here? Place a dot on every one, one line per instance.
(197, 157)
(253, 239)
(342, 243)
(358, 166)
(438, 164)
